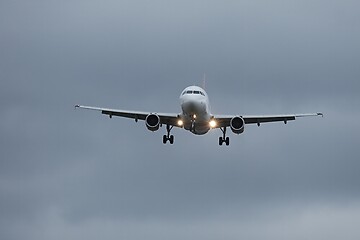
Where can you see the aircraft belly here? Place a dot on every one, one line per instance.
(197, 128)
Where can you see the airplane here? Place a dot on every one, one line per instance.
(196, 117)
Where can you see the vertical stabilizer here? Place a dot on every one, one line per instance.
(204, 82)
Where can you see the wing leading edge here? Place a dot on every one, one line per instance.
(224, 121)
(165, 118)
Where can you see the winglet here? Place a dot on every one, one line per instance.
(320, 114)
(77, 106)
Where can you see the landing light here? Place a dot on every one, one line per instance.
(212, 123)
(194, 116)
(180, 122)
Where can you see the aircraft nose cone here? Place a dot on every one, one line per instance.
(189, 106)
(193, 107)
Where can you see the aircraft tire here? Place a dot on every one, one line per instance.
(171, 139)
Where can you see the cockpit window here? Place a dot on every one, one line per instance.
(193, 92)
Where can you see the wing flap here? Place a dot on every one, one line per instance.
(126, 114)
(266, 119)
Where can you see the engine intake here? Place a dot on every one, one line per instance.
(237, 125)
(152, 122)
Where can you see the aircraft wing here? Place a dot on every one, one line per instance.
(224, 121)
(165, 118)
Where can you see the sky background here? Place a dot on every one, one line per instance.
(73, 174)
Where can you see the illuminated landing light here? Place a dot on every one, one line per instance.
(180, 123)
(212, 123)
(194, 116)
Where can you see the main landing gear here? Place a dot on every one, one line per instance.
(224, 139)
(168, 137)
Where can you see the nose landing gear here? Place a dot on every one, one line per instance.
(192, 127)
(168, 137)
(224, 139)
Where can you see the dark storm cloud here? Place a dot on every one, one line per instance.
(77, 174)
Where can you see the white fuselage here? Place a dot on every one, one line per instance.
(195, 108)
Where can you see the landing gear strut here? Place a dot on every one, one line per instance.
(192, 128)
(224, 139)
(168, 137)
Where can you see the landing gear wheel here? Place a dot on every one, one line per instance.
(171, 139)
(227, 141)
(164, 139)
(220, 141)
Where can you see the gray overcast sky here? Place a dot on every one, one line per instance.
(67, 174)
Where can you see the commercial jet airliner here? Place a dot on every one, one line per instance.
(196, 117)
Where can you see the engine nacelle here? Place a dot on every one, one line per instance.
(152, 122)
(237, 125)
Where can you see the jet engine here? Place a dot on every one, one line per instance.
(152, 122)
(237, 125)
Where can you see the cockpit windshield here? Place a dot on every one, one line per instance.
(193, 92)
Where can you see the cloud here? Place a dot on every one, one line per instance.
(77, 174)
